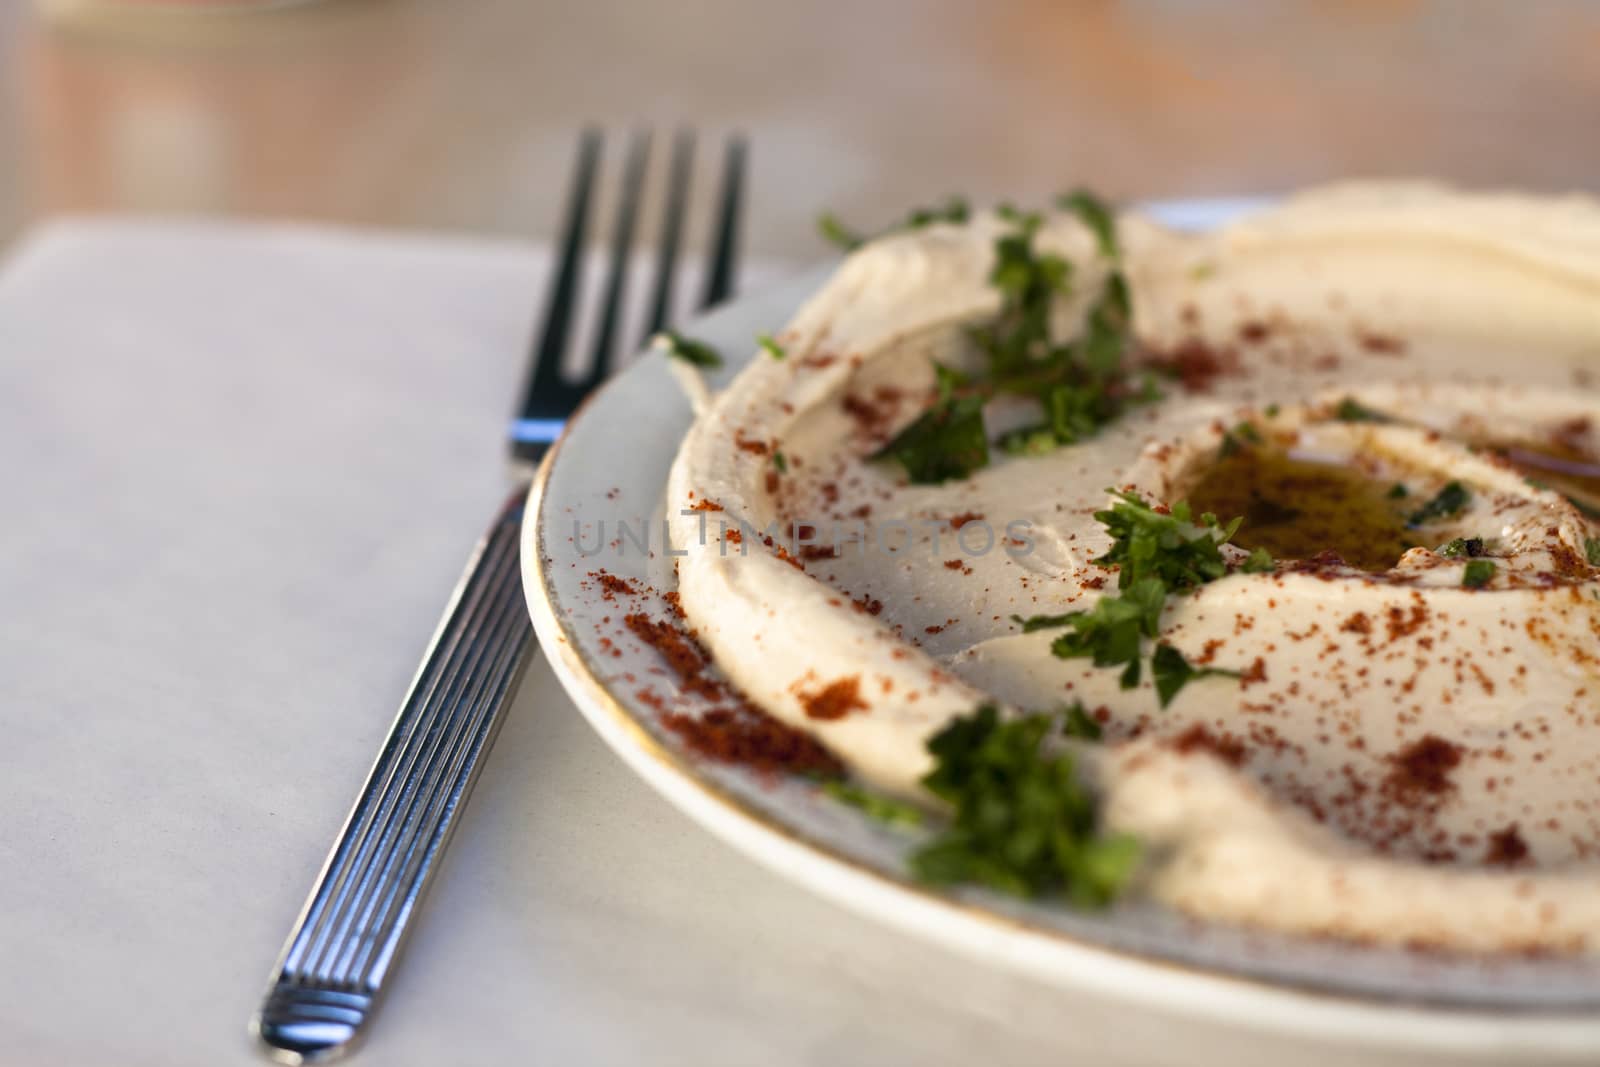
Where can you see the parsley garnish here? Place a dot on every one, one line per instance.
(1477, 573)
(1591, 548)
(1022, 823)
(770, 346)
(1245, 431)
(1349, 410)
(1080, 724)
(1447, 502)
(1398, 491)
(1041, 622)
(1172, 672)
(1158, 553)
(1080, 387)
(1096, 215)
(697, 353)
(946, 441)
(953, 210)
(780, 462)
(1259, 561)
(1167, 545)
(885, 809)
(1462, 546)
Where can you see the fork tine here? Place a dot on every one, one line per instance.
(671, 234)
(621, 245)
(725, 261)
(530, 435)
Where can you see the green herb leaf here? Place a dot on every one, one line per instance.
(1042, 622)
(1259, 561)
(1111, 632)
(1462, 546)
(1591, 548)
(1351, 411)
(1096, 215)
(1398, 492)
(837, 233)
(1080, 724)
(1080, 387)
(780, 462)
(1022, 823)
(946, 441)
(1158, 552)
(697, 353)
(953, 210)
(1171, 672)
(1166, 545)
(885, 809)
(1477, 573)
(1447, 502)
(770, 346)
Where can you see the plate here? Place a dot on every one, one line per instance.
(596, 505)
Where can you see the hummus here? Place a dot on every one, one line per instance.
(1411, 750)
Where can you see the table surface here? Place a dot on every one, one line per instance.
(413, 113)
(237, 494)
(205, 644)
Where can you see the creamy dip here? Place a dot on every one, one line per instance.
(1405, 759)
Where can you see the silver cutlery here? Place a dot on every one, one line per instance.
(341, 952)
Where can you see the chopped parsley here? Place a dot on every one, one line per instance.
(1398, 491)
(1158, 553)
(946, 441)
(1079, 386)
(1271, 411)
(770, 346)
(1471, 547)
(1447, 502)
(696, 353)
(1259, 561)
(780, 462)
(1349, 410)
(1080, 724)
(1477, 573)
(879, 806)
(1040, 622)
(1096, 215)
(1172, 672)
(1245, 432)
(1022, 821)
(953, 210)
(1591, 548)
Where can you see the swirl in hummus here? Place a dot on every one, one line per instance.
(1408, 757)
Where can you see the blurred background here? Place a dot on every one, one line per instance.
(461, 114)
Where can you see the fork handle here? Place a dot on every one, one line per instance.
(331, 974)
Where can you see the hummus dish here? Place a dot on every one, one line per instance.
(1267, 556)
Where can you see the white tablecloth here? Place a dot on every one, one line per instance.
(240, 468)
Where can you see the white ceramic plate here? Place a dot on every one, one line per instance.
(611, 467)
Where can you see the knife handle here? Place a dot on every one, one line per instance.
(329, 979)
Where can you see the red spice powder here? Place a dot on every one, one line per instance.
(613, 585)
(834, 700)
(1380, 344)
(748, 736)
(1422, 769)
(958, 521)
(1198, 738)
(683, 654)
(1195, 364)
(1506, 848)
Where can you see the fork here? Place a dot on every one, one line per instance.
(334, 968)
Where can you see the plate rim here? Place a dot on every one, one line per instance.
(1066, 961)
